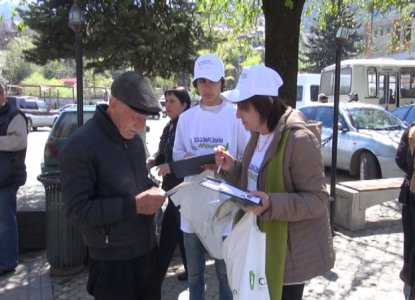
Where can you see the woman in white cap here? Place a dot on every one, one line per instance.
(282, 164)
(199, 130)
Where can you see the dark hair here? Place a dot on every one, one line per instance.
(221, 88)
(180, 93)
(269, 111)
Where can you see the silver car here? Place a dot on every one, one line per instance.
(367, 140)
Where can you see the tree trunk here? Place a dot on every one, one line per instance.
(282, 32)
(138, 68)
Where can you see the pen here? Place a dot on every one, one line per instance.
(226, 149)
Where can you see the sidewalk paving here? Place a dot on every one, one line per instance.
(367, 266)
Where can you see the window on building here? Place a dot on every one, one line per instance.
(408, 33)
(397, 34)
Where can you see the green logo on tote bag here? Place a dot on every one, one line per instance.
(252, 280)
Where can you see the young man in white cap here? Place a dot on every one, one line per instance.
(200, 129)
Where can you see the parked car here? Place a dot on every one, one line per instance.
(155, 117)
(61, 109)
(163, 107)
(367, 140)
(65, 125)
(405, 113)
(37, 111)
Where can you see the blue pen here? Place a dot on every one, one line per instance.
(226, 149)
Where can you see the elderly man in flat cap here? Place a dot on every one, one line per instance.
(107, 193)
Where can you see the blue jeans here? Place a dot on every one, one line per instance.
(9, 253)
(195, 253)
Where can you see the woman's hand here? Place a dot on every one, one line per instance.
(164, 169)
(224, 159)
(266, 203)
(212, 167)
(150, 162)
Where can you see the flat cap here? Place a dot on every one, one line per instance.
(134, 90)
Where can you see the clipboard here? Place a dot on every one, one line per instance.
(234, 192)
(191, 165)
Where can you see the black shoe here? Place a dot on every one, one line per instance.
(405, 273)
(182, 276)
(4, 272)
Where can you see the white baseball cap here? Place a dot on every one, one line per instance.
(254, 80)
(209, 66)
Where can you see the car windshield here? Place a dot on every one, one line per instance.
(375, 119)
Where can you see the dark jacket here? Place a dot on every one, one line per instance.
(101, 175)
(165, 154)
(12, 163)
(402, 153)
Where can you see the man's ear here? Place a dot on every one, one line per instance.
(114, 103)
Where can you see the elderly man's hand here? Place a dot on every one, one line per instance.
(148, 202)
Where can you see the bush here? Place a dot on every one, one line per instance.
(55, 105)
(91, 102)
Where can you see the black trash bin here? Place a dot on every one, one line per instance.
(65, 249)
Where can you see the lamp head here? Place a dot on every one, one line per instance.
(342, 33)
(75, 18)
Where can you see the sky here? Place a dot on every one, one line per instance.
(6, 8)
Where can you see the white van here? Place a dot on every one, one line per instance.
(382, 81)
(308, 86)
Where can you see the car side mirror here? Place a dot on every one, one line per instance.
(341, 128)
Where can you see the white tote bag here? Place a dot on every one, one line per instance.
(244, 254)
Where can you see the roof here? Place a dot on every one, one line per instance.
(374, 62)
(68, 79)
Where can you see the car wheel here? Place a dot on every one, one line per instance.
(34, 128)
(369, 168)
(29, 125)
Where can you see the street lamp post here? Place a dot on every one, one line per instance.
(341, 38)
(75, 23)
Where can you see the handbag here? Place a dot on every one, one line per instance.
(244, 254)
(404, 193)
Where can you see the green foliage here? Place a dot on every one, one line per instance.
(15, 68)
(157, 38)
(38, 79)
(55, 69)
(55, 105)
(160, 85)
(253, 59)
(320, 47)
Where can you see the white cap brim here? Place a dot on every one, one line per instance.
(235, 95)
(210, 76)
